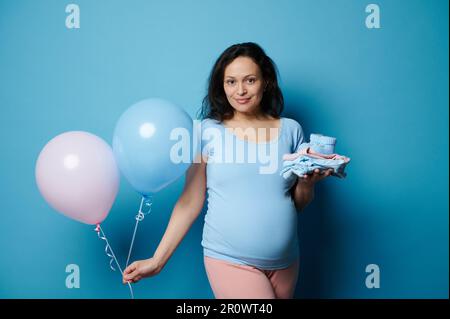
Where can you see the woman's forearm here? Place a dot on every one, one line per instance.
(180, 221)
(303, 195)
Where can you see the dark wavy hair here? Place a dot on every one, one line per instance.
(215, 104)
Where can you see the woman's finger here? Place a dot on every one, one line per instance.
(320, 176)
(130, 268)
(135, 280)
(133, 275)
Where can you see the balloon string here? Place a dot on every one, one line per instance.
(147, 203)
(111, 255)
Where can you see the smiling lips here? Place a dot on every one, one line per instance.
(243, 101)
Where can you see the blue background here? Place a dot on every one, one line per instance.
(382, 92)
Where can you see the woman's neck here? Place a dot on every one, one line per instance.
(249, 117)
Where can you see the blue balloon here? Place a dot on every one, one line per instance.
(145, 152)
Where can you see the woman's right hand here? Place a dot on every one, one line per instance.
(141, 269)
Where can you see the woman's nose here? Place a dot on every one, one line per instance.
(241, 89)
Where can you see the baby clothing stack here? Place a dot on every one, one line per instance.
(317, 154)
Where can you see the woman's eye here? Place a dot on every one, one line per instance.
(251, 81)
(230, 82)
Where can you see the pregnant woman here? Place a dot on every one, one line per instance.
(250, 241)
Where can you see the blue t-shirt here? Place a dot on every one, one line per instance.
(251, 218)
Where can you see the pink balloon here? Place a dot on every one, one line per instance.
(78, 176)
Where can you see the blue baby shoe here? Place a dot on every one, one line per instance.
(322, 144)
(327, 144)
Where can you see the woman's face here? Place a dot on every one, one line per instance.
(244, 85)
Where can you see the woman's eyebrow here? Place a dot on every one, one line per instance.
(246, 76)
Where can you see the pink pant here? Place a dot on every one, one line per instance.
(233, 281)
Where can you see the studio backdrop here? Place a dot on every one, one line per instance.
(372, 74)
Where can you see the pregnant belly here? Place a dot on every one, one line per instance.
(254, 231)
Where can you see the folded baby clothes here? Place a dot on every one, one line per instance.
(311, 153)
(305, 165)
(308, 159)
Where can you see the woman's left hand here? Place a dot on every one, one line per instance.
(312, 178)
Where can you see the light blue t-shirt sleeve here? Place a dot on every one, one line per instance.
(201, 144)
(298, 136)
